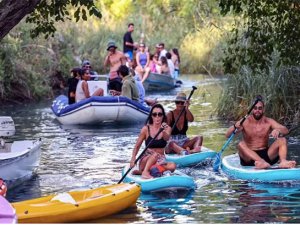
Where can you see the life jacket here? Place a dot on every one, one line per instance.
(157, 170)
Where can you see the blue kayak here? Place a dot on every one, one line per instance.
(192, 159)
(232, 167)
(174, 181)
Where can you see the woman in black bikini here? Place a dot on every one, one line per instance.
(180, 143)
(155, 151)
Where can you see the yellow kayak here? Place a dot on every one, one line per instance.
(78, 206)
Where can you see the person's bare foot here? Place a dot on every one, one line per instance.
(287, 164)
(261, 165)
(146, 175)
(136, 172)
(196, 149)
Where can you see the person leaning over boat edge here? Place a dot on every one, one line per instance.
(254, 149)
(179, 142)
(155, 152)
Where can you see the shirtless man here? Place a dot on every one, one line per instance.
(114, 60)
(254, 149)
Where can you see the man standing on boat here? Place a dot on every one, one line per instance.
(254, 149)
(114, 60)
(128, 44)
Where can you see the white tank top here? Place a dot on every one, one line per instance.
(79, 95)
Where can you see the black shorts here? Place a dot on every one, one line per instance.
(115, 84)
(264, 155)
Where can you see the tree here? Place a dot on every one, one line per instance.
(43, 13)
(263, 27)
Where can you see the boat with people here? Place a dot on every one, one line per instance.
(78, 206)
(169, 181)
(191, 159)
(99, 109)
(18, 159)
(160, 82)
(232, 167)
(7, 212)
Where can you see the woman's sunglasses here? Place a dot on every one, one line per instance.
(179, 103)
(157, 114)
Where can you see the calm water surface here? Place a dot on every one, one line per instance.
(80, 157)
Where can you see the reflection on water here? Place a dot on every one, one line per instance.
(80, 157)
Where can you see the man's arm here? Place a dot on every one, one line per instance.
(277, 128)
(233, 127)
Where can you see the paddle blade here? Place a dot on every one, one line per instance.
(217, 162)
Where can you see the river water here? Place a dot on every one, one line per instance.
(80, 157)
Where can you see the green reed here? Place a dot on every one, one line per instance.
(280, 88)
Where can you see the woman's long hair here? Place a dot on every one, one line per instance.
(150, 119)
(175, 50)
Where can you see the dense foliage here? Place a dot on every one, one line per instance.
(263, 57)
(262, 27)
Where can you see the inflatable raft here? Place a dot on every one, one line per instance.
(173, 181)
(98, 109)
(232, 167)
(192, 159)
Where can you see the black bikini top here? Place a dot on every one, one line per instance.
(156, 143)
(176, 131)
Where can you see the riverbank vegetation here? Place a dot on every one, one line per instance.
(262, 57)
(255, 44)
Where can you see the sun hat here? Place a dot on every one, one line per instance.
(111, 44)
(181, 97)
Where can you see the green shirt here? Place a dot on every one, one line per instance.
(129, 88)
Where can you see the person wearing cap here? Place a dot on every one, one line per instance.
(143, 60)
(254, 148)
(87, 65)
(82, 89)
(128, 44)
(72, 84)
(114, 60)
(179, 142)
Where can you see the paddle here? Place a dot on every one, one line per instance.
(177, 119)
(159, 131)
(217, 162)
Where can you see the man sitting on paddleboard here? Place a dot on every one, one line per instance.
(254, 149)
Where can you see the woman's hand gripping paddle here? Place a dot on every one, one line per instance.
(177, 119)
(138, 158)
(217, 162)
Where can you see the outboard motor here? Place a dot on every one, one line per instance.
(7, 128)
